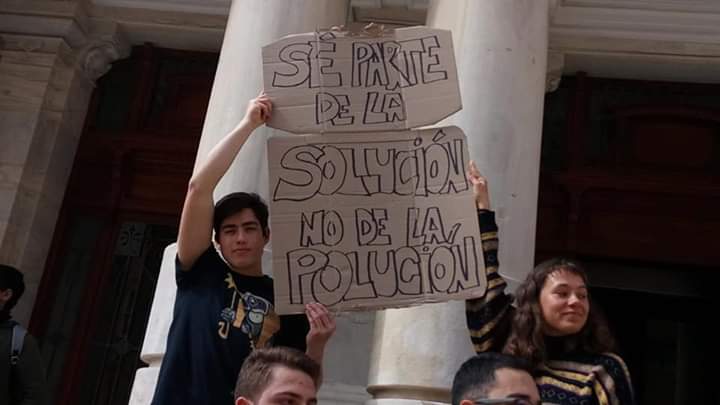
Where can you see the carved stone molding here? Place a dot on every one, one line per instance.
(215, 7)
(686, 6)
(333, 393)
(555, 66)
(394, 13)
(618, 22)
(106, 44)
(399, 392)
(97, 57)
(66, 20)
(669, 40)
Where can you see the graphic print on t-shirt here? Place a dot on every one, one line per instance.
(252, 315)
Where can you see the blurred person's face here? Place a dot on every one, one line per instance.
(5, 296)
(286, 387)
(511, 387)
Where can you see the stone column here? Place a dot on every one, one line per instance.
(251, 25)
(501, 50)
(50, 56)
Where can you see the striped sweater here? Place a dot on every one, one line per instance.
(566, 378)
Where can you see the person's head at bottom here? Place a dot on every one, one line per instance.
(278, 375)
(494, 378)
(12, 287)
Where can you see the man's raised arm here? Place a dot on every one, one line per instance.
(197, 215)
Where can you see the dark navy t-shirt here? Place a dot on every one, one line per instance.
(219, 318)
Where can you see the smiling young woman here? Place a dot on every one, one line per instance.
(553, 324)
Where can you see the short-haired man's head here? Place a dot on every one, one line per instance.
(476, 377)
(256, 372)
(233, 203)
(11, 279)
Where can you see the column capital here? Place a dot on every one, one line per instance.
(96, 57)
(65, 28)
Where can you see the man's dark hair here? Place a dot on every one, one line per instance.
(233, 203)
(256, 372)
(477, 375)
(11, 278)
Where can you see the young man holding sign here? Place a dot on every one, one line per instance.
(224, 303)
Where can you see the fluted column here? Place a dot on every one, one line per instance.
(502, 49)
(501, 52)
(251, 25)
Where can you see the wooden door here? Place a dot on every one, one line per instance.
(630, 184)
(121, 209)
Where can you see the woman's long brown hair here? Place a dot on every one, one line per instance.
(527, 339)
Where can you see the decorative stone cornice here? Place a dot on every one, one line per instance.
(66, 30)
(66, 20)
(214, 7)
(618, 22)
(171, 28)
(686, 6)
(670, 40)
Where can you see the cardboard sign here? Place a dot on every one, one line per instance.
(373, 220)
(338, 82)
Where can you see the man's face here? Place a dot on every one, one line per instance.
(5, 296)
(510, 383)
(242, 241)
(288, 387)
